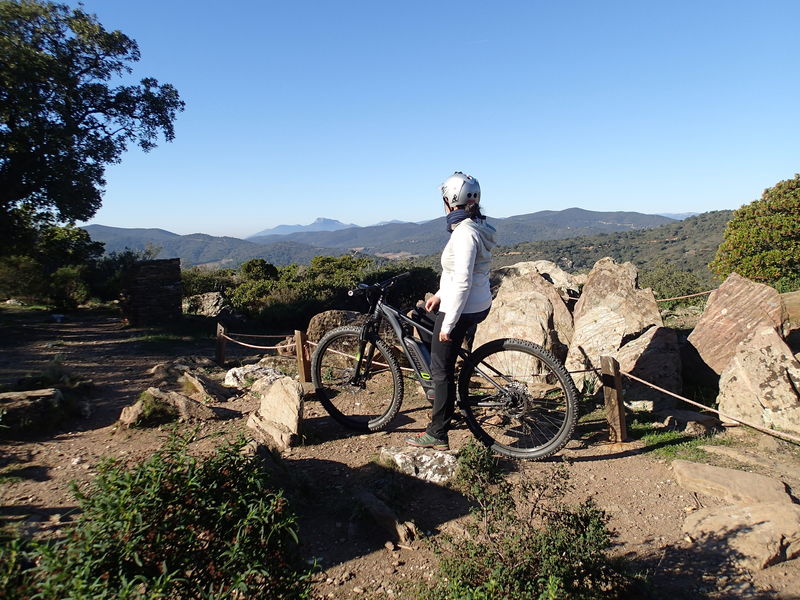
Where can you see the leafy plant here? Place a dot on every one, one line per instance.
(523, 543)
(172, 527)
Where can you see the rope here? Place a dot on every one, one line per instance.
(771, 432)
(278, 347)
(684, 297)
(277, 337)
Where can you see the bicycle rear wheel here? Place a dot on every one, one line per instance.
(518, 399)
(366, 401)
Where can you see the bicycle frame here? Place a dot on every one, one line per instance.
(419, 361)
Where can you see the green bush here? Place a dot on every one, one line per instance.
(171, 527)
(198, 280)
(523, 543)
(67, 288)
(762, 240)
(22, 277)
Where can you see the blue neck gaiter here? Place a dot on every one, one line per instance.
(455, 217)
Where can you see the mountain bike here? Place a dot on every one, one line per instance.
(515, 396)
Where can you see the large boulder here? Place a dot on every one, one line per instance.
(611, 312)
(567, 284)
(210, 304)
(655, 357)
(733, 312)
(761, 382)
(760, 535)
(30, 411)
(322, 323)
(529, 307)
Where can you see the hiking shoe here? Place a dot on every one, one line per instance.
(424, 440)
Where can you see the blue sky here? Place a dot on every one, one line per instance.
(357, 110)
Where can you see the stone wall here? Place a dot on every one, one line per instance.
(154, 293)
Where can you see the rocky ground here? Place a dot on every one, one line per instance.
(647, 507)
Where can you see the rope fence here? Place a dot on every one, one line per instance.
(612, 390)
(684, 297)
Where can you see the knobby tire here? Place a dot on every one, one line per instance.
(524, 405)
(369, 404)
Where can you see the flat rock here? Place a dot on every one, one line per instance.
(205, 387)
(169, 404)
(761, 383)
(737, 487)
(429, 465)
(733, 312)
(280, 413)
(759, 535)
(739, 455)
(527, 306)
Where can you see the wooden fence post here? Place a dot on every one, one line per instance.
(612, 392)
(220, 355)
(303, 359)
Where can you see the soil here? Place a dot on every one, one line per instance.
(355, 558)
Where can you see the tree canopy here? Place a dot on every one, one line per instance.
(762, 239)
(62, 120)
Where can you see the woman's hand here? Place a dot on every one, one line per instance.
(432, 303)
(444, 337)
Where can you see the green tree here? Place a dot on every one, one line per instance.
(762, 239)
(61, 118)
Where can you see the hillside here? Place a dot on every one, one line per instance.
(402, 239)
(429, 237)
(689, 244)
(202, 249)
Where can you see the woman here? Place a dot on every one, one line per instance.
(462, 301)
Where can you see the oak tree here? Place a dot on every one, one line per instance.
(68, 108)
(762, 239)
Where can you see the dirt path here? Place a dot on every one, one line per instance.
(646, 506)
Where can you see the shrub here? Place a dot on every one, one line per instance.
(258, 268)
(667, 281)
(171, 527)
(524, 543)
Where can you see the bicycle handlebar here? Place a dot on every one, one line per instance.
(382, 286)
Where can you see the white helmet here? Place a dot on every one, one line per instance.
(460, 190)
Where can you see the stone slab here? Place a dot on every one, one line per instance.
(731, 485)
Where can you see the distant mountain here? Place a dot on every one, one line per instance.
(391, 240)
(201, 249)
(320, 224)
(679, 216)
(430, 237)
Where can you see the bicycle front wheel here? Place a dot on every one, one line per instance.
(518, 399)
(360, 391)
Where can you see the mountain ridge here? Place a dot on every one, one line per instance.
(392, 239)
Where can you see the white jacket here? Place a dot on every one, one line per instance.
(466, 260)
